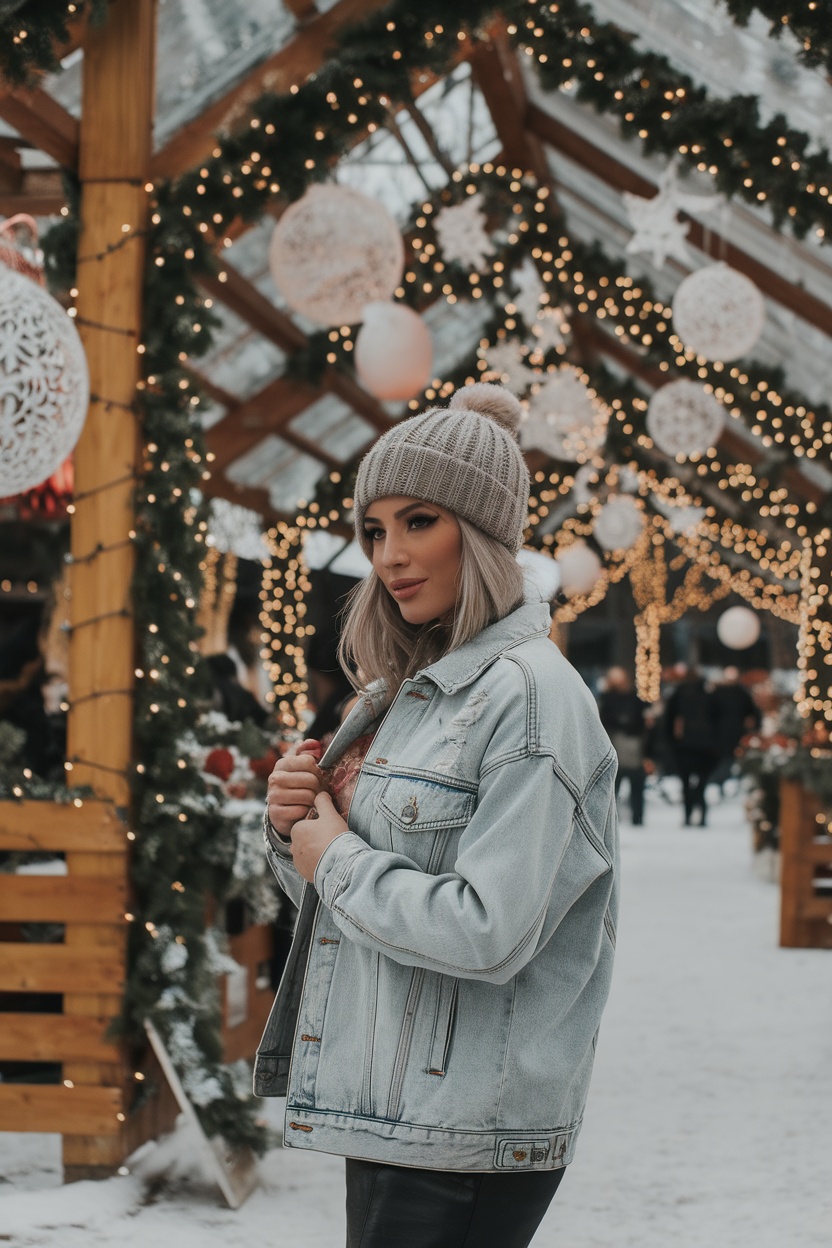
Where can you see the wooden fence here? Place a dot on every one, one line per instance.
(806, 869)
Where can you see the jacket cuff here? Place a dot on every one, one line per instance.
(274, 841)
(335, 866)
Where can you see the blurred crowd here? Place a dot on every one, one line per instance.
(693, 732)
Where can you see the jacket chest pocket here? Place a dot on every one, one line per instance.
(419, 810)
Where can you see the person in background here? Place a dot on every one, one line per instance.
(735, 714)
(235, 702)
(690, 727)
(623, 716)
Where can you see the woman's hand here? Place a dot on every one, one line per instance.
(294, 784)
(311, 836)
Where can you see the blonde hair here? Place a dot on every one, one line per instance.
(381, 645)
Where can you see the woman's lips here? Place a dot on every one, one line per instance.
(406, 589)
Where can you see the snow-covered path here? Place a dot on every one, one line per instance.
(710, 1118)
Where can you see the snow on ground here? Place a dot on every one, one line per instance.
(709, 1122)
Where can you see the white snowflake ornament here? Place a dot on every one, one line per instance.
(507, 364)
(527, 282)
(550, 330)
(462, 235)
(619, 523)
(658, 231)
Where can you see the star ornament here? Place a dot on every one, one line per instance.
(462, 235)
(506, 363)
(658, 232)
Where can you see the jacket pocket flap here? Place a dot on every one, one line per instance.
(420, 805)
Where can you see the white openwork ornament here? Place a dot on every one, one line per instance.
(683, 418)
(333, 252)
(619, 523)
(44, 384)
(566, 418)
(718, 312)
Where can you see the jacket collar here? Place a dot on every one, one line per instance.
(459, 668)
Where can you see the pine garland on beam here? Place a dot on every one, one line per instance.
(809, 21)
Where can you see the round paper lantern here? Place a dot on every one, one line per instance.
(334, 251)
(580, 568)
(542, 573)
(44, 384)
(718, 312)
(683, 418)
(393, 351)
(619, 523)
(738, 628)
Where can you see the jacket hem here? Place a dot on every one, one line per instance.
(428, 1148)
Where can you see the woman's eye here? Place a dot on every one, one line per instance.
(422, 522)
(374, 534)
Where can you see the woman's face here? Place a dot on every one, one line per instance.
(416, 550)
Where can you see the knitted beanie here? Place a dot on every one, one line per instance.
(465, 457)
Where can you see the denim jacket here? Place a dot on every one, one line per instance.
(441, 1001)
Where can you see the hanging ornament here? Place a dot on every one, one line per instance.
(551, 330)
(462, 233)
(738, 628)
(507, 364)
(541, 574)
(580, 568)
(527, 283)
(683, 418)
(44, 384)
(334, 251)
(619, 523)
(566, 419)
(393, 351)
(718, 312)
(658, 231)
(236, 530)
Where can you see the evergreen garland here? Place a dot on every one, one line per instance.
(30, 32)
(809, 21)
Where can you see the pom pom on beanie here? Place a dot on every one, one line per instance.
(464, 457)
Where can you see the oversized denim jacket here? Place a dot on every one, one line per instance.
(441, 1002)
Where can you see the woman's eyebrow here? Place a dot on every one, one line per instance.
(397, 515)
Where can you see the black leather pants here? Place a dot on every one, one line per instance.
(399, 1207)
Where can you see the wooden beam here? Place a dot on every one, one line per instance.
(54, 1038)
(39, 192)
(293, 64)
(113, 165)
(622, 178)
(43, 122)
(218, 486)
(497, 73)
(246, 300)
(33, 827)
(30, 1107)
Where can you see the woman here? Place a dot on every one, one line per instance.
(456, 870)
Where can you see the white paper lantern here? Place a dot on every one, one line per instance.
(393, 351)
(565, 419)
(683, 418)
(619, 523)
(334, 251)
(718, 312)
(44, 384)
(580, 568)
(541, 573)
(738, 628)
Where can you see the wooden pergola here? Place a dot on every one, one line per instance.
(110, 149)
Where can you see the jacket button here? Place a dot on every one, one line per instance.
(519, 1155)
(409, 813)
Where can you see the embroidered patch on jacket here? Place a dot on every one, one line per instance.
(456, 733)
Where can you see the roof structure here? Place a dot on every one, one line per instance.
(275, 435)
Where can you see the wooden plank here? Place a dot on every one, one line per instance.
(60, 968)
(31, 1107)
(44, 122)
(249, 422)
(497, 73)
(293, 64)
(620, 176)
(49, 826)
(62, 899)
(55, 1038)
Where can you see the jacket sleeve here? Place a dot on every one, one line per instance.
(484, 919)
(279, 856)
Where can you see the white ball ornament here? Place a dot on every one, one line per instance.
(619, 523)
(718, 312)
(393, 351)
(738, 628)
(334, 251)
(580, 568)
(44, 384)
(683, 418)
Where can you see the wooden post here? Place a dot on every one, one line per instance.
(114, 159)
